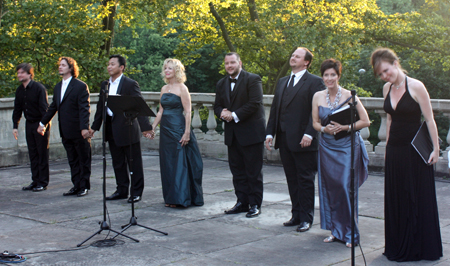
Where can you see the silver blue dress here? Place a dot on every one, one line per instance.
(181, 167)
(334, 180)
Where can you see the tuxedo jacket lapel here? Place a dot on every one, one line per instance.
(68, 90)
(297, 87)
(119, 88)
(228, 91)
(57, 94)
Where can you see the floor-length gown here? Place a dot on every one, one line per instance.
(181, 167)
(334, 180)
(411, 216)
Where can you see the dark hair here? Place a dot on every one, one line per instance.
(27, 68)
(308, 55)
(238, 57)
(383, 55)
(72, 65)
(121, 59)
(331, 63)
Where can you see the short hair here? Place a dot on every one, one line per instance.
(121, 59)
(27, 67)
(178, 67)
(72, 65)
(383, 55)
(308, 55)
(331, 63)
(238, 57)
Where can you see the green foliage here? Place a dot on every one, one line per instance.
(39, 32)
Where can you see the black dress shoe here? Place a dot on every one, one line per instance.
(82, 192)
(72, 192)
(29, 187)
(237, 208)
(253, 212)
(134, 199)
(303, 227)
(39, 189)
(116, 195)
(292, 222)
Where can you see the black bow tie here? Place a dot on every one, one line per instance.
(233, 80)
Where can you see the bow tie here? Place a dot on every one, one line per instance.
(233, 80)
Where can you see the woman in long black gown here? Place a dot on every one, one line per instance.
(411, 216)
(180, 159)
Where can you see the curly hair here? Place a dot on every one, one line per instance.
(178, 67)
(74, 70)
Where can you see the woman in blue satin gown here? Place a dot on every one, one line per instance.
(179, 157)
(335, 156)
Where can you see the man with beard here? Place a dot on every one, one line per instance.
(71, 101)
(290, 120)
(238, 102)
(31, 100)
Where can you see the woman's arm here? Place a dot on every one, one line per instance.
(186, 101)
(160, 111)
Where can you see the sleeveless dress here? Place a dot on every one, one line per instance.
(181, 167)
(410, 209)
(334, 180)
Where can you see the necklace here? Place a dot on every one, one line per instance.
(336, 99)
(401, 83)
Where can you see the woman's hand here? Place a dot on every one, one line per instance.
(434, 157)
(185, 139)
(333, 128)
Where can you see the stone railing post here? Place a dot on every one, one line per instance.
(197, 122)
(211, 124)
(365, 134)
(154, 106)
(380, 149)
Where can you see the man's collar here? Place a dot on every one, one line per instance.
(116, 80)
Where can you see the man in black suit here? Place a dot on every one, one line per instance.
(118, 132)
(31, 100)
(71, 101)
(238, 101)
(290, 120)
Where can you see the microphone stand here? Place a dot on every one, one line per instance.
(352, 173)
(104, 224)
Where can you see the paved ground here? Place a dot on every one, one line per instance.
(43, 225)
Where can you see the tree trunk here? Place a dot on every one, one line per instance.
(108, 25)
(219, 20)
(254, 17)
(282, 71)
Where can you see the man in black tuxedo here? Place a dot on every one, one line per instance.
(71, 101)
(291, 122)
(31, 100)
(118, 132)
(238, 101)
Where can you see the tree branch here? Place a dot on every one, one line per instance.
(254, 16)
(219, 20)
(408, 45)
(283, 70)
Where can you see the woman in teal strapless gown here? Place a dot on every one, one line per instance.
(180, 159)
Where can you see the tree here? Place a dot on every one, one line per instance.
(39, 32)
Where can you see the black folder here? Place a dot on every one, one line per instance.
(343, 117)
(422, 142)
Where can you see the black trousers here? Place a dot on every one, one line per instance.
(300, 169)
(246, 166)
(38, 153)
(122, 166)
(79, 157)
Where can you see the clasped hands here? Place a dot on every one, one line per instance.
(226, 115)
(333, 128)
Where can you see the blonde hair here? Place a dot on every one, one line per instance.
(384, 55)
(178, 67)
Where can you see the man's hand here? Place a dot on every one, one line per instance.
(91, 133)
(226, 115)
(85, 133)
(15, 133)
(268, 143)
(41, 130)
(306, 142)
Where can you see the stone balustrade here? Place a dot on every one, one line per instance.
(14, 152)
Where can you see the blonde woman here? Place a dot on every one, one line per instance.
(180, 159)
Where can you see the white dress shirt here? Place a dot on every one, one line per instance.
(64, 85)
(113, 86)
